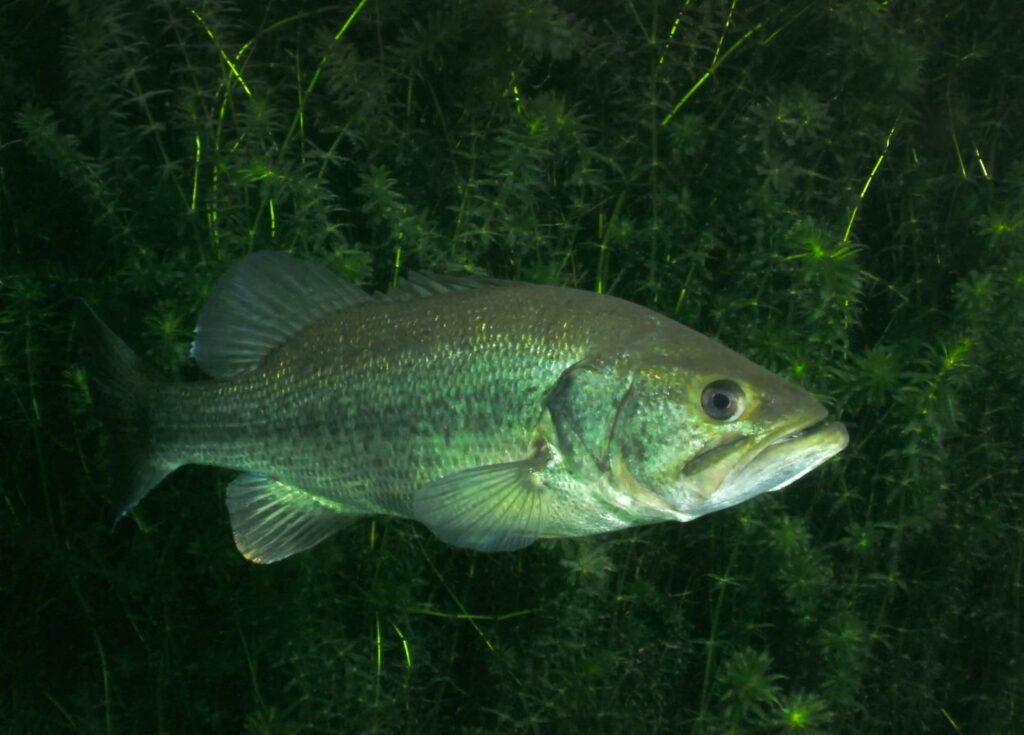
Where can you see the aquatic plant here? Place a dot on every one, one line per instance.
(835, 189)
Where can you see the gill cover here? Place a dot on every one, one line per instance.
(583, 407)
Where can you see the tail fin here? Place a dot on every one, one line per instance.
(120, 386)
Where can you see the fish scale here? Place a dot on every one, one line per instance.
(364, 419)
(495, 413)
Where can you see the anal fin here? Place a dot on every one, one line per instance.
(272, 521)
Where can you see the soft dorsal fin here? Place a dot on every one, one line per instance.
(261, 302)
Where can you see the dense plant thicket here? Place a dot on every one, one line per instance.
(835, 189)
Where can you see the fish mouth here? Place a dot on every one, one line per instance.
(786, 459)
(818, 427)
(807, 433)
(744, 466)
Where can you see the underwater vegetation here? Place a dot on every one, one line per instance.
(834, 189)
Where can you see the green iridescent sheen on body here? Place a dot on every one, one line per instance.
(496, 413)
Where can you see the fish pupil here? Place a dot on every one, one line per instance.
(722, 400)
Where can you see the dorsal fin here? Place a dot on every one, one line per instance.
(262, 301)
(418, 285)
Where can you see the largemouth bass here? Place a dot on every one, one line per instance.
(495, 413)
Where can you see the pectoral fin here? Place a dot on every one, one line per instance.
(271, 520)
(499, 507)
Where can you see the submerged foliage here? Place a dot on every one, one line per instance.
(835, 189)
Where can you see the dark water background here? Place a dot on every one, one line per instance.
(834, 188)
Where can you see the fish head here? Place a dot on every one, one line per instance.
(702, 428)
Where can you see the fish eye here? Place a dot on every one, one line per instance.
(722, 400)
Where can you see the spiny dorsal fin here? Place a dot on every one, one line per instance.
(261, 302)
(418, 285)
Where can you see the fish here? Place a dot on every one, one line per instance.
(495, 413)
